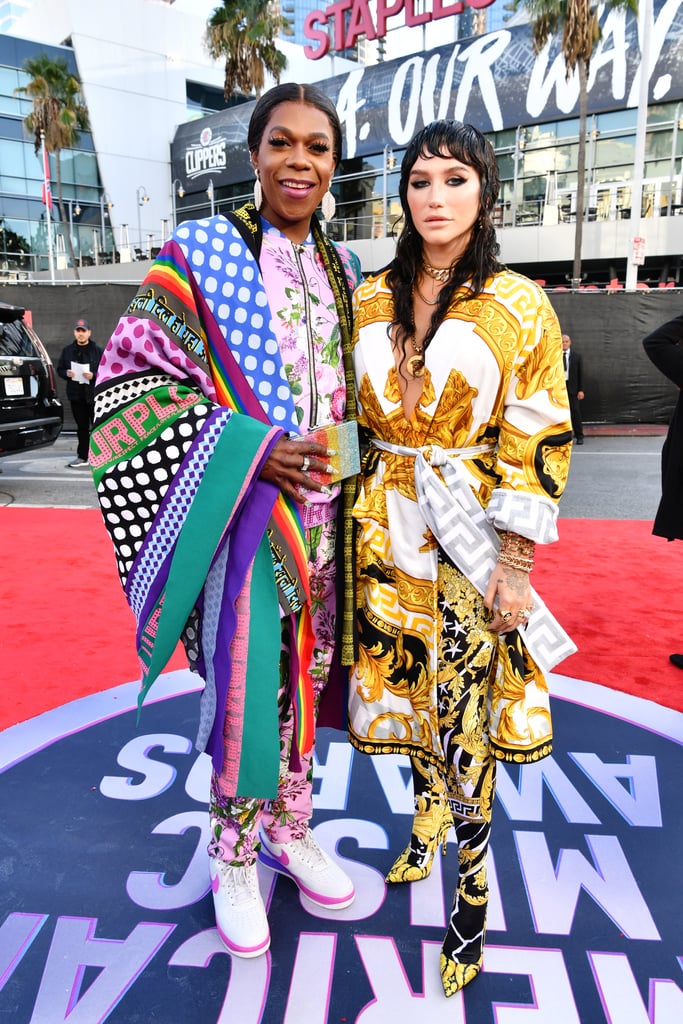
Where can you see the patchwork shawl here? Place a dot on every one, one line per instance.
(206, 550)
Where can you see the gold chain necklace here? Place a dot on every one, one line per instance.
(440, 274)
(415, 365)
(428, 302)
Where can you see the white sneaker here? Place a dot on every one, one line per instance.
(240, 914)
(316, 874)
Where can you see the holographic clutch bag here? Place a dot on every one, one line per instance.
(342, 439)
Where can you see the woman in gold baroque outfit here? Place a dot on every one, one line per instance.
(458, 368)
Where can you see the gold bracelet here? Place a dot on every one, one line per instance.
(516, 545)
(525, 564)
(516, 551)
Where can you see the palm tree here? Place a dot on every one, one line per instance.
(59, 114)
(244, 33)
(578, 22)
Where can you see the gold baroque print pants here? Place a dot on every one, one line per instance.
(466, 661)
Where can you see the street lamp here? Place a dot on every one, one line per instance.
(209, 193)
(176, 190)
(520, 146)
(631, 282)
(142, 197)
(388, 164)
(106, 199)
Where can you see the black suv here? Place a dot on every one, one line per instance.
(31, 415)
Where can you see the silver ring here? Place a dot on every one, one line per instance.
(505, 616)
(305, 464)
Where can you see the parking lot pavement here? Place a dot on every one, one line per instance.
(610, 477)
(42, 479)
(614, 477)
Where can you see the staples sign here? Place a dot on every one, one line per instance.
(360, 21)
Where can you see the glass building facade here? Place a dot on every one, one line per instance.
(23, 222)
(538, 170)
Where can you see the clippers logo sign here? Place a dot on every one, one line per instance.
(107, 914)
(208, 155)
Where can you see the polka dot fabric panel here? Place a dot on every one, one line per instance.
(228, 277)
(131, 493)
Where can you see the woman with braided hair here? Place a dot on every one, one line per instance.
(460, 387)
(224, 517)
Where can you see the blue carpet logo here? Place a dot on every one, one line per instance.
(107, 914)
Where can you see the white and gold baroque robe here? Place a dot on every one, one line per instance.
(493, 375)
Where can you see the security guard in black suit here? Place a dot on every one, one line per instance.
(574, 378)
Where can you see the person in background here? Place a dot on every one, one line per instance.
(573, 374)
(458, 368)
(664, 347)
(237, 344)
(78, 364)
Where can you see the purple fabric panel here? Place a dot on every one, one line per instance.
(247, 531)
(226, 740)
(199, 665)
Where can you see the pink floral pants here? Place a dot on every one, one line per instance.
(235, 821)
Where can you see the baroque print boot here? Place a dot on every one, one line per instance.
(431, 824)
(463, 947)
(462, 952)
(465, 674)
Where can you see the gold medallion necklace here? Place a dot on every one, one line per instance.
(415, 365)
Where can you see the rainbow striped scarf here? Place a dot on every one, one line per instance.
(285, 530)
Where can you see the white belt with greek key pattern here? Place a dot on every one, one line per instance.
(459, 524)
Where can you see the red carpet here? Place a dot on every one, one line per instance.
(68, 631)
(616, 590)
